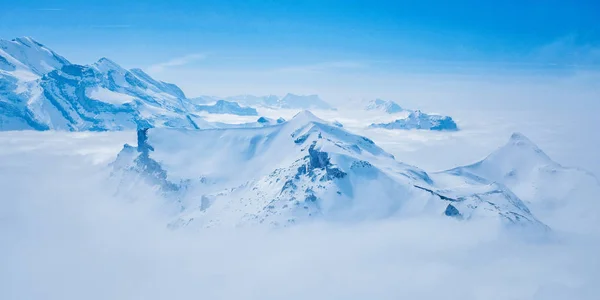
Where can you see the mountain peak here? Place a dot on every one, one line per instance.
(519, 153)
(306, 116)
(104, 64)
(32, 55)
(519, 140)
(27, 41)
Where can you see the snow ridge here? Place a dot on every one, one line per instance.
(553, 192)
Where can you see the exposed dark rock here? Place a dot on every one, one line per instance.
(148, 167)
(288, 185)
(451, 211)
(301, 139)
(310, 198)
(437, 194)
(318, 159)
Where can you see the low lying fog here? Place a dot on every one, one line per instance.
(66, 235)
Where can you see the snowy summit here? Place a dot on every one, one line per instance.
(296, 171)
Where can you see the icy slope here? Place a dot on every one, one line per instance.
(22, 62)
(105, 96)
(386, 106)
(557, 194)
(41, 90)
(27, 54)
(420, 120)
(299, 170)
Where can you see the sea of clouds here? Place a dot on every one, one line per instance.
(66, 234)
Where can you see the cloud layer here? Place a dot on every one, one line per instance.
(67, 236)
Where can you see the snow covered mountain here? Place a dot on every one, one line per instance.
(419, 120)
(41, 90)
(557, 194)
(26, 55)
(386, 106)
(22, 62)
(295, 171)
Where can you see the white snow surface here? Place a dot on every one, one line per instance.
(30, 54)
(554, 193)
(41, 90)
(296, 171)
(108, 96)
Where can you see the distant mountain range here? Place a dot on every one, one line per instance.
(41, 90)
(227, 107)
(419, 120)
(289, 101)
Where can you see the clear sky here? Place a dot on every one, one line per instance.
(265, 42)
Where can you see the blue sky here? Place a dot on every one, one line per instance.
(313, 36)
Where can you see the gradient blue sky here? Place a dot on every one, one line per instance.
(380, 37)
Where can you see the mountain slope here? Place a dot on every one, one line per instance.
(30, 55)
(300, 170)
(105, 96)
(22, 62)
(563, 197)
(41, 90)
